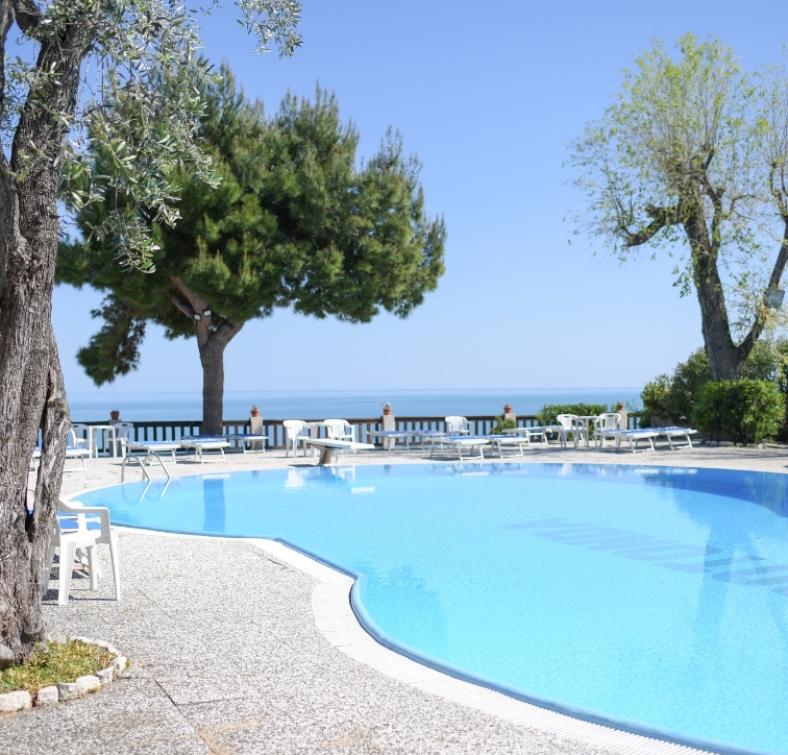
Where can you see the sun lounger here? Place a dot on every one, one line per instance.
(332, 447)
(633, 437)
(74, 450)
(144, 452)
(518, 442)
(406, 435)
(459, 442)
(202, 443)
(241, 439)
(677, 433)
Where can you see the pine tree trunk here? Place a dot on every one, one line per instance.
(212, 360)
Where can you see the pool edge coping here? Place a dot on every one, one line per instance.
(338, 623)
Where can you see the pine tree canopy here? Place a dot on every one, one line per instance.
(291, 218)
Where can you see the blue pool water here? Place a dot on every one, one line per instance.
(656, 598)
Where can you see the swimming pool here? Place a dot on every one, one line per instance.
(655, 598)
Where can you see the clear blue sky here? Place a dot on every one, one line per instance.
(489, 95)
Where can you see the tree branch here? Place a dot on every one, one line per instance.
(183, 306)
(774, 282)
(661, 217)
(6, 19)
(28, 15)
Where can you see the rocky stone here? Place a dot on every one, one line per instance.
(10, 702)
(88, 683)
(106, 675)
(119, 663)
(47, 695)
(68, 691)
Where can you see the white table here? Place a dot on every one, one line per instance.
(93, 444)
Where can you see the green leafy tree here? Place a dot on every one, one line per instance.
(691, 156)
(293, 222)
(64, 64)
(672, 398)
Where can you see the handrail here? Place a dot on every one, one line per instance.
(481, 424)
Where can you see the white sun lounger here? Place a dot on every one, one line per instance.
(633, 437)
(677, 433)
(518, 442)
(459, 442)
(201, 443)
(241, 439)
(143, 452)
(406, 435)
(332, 447)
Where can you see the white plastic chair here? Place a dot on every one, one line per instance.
(339, 429)
(123, 434)
(457, 425)
(293, 429)
(73, 533)
(571, 423)
(604, 425)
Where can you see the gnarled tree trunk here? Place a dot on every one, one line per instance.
(31, 383)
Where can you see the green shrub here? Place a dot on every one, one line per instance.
(502, 424)
(550, 412)
(744, 411)
(656, 402)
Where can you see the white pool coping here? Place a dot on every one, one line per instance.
(337, 622)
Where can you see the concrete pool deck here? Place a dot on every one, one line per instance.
(234, 651)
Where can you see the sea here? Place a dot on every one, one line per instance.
(88, 407)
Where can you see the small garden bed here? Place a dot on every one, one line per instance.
(59, 671)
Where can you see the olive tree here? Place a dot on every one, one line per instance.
(64, 63)
(691, 158)
(296, 221)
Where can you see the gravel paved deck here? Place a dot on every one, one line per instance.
(227, 657)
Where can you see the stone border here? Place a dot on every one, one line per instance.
(12, 702)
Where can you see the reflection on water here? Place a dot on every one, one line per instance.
(214, 505)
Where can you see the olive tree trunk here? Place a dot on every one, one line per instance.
(32, 396)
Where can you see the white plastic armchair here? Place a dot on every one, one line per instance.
(124, 432)
(74, 532)
(571, 423)
(339, 429)
(605, 427)
(457, 425)
(293, 429)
